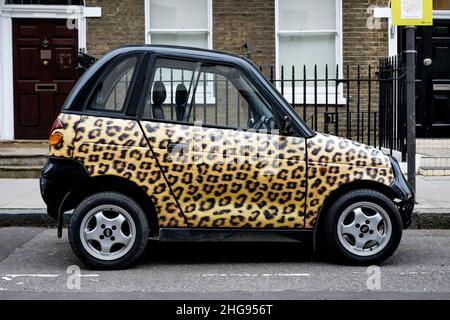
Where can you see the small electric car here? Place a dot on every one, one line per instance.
(180, 144)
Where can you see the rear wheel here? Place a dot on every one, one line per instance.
(108, 230)
(362, 227)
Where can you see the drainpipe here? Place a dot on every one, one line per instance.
(411, 103)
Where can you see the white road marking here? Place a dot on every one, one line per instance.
(9, 277)
(3, 289)
(256, 275)
(32, 275)
(413, 273)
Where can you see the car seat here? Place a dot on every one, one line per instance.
(159, 96)
(181, 98)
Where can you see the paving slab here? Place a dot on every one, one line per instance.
(20, 194)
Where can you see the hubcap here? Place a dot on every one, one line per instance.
(107, 232)
(364, 229)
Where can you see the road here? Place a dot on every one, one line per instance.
(33, 265)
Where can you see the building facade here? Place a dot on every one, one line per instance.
(40, 39)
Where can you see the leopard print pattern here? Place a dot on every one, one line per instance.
(333, 162)
(233, 179)
(68, 131)
(117, 147)
(227, 178)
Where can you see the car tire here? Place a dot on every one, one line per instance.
(354, 238)
(108, 231)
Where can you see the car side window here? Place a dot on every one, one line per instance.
(168, 96)
(112, 90)
(225, 97)
(211, 94)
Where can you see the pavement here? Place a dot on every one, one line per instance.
(35, 264)
(21, 203)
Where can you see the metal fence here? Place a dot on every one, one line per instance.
(362, 103)
(392, 78)
(341, 102)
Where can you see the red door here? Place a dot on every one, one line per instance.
(45, 55)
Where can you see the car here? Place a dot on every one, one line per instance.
(182, 144)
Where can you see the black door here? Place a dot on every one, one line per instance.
(433, 80)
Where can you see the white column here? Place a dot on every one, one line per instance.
(382, 13)
(393, 40)
(147, 21)
(6, 80)
(82, 33)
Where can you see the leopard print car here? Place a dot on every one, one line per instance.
(129, 155)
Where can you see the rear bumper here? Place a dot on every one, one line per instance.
(57, 179)
(404, 193)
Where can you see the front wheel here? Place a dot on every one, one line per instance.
(108, 230)
(362, 227)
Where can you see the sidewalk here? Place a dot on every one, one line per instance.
(21, 203)
(432, 210)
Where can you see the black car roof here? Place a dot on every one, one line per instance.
(197, 53)
(164, 50)
(178, 49)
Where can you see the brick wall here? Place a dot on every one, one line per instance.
(237, 21)
(362, 45)
(122, 23)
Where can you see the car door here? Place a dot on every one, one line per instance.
(214, 135)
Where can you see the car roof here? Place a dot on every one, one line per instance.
(187, 52)
(163, 50)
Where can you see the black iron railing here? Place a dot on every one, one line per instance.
(392, 78)
(362, 103)
(341, 102)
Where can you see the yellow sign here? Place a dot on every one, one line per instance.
(412, 12)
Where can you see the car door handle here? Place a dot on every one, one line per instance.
(178, 148)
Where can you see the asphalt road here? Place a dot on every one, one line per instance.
(33, 265)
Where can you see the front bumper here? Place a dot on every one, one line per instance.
(404, 193)
(58, 177)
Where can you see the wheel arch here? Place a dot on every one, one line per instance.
(89, 186)
(335, 194)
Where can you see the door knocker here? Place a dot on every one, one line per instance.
(45, 43)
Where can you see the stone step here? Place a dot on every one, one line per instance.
(25, 144)
(434, 171)
(433, 144)
(22, 153)
(21, 160)
(435, 161)
(20, 172)
(435, 157)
